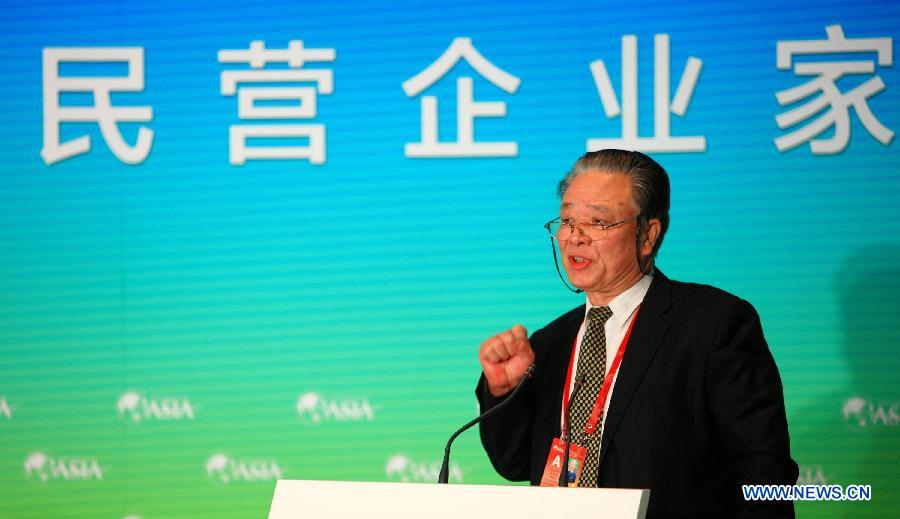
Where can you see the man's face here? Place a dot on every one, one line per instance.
(606, 266)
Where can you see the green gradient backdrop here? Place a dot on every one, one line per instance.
(368, 282)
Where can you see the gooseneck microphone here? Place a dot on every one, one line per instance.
(566, 433)
(444, 476)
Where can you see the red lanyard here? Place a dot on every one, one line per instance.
(591, 424)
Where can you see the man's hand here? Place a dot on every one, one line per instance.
(504, 359)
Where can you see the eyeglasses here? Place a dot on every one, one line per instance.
(562, 230)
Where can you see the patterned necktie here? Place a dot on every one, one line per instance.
(591, 363)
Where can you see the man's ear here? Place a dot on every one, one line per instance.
(651, 234)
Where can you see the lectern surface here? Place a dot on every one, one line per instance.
(295, 499)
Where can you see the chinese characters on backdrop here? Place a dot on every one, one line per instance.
(294, 107)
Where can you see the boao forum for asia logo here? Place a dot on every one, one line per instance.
(6, 408)
(221, 468)
(137, 407)
(405, 469)
(860, 414)
(44, 467)
(315, 408)
(812, 475)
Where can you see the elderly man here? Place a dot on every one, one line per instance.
(680, 393)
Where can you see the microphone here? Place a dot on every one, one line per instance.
(444, 476)
(564, 474)
(558, 273)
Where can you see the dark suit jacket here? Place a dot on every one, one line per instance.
(697, 409)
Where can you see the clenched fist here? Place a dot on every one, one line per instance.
(504, 359)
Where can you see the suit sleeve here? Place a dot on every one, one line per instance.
(507, 435)
(747, 401)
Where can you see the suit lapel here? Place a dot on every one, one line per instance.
(646, 337)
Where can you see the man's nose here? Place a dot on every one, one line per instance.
(577, 236)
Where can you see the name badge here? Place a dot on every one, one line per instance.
(555, 461)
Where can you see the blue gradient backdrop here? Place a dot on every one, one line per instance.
(374, 277)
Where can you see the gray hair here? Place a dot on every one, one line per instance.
(649, 185)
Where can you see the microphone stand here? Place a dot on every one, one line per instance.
(444, 475)
(567, 434)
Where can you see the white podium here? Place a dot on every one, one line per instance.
(296, 499)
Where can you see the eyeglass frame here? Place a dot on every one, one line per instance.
(602, 227)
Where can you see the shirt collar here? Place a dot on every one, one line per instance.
(624, 304)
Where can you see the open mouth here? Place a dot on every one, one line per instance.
(579, 262)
